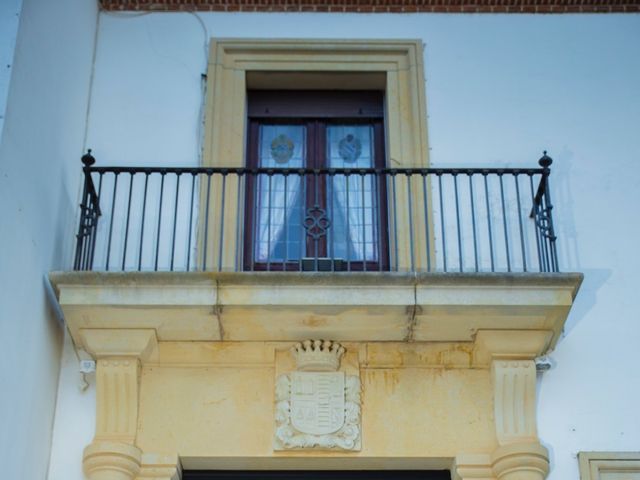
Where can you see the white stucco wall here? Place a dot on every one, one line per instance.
(500, 88)
(9, 20)
(39, 185)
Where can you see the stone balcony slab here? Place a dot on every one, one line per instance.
(284, 306)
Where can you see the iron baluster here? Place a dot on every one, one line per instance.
(427, 234)
(455, 187)
(524, 257)
(222, 209)
(473, 221)
(486, 196)
(193, 185)
(410, 218)
(442, 227)
(395, 218)
(144, 210)
(205, 246)
(126, 230)
(504, 222)
(162, 175)
(286, 233)
(113, 207)
(364, 231)
(175, 221)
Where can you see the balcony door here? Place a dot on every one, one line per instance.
(312, 206)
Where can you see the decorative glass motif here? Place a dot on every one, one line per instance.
(350, 148)
(282, 149)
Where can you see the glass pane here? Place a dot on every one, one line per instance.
(279, 199)
(353, 200)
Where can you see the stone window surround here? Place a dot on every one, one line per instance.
(395, 66)
(594, 464)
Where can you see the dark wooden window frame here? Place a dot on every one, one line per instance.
(316, 110)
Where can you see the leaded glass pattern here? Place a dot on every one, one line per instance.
(352, 200)
(279, 198)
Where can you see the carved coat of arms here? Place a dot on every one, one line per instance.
(318, 408)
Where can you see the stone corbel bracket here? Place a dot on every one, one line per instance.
(519, 455)
(113, 454)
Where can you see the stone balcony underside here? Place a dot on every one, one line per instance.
(366, 307)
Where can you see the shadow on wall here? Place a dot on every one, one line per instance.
(593, 281)
(564, 207)
(568, 241)
(64, 241)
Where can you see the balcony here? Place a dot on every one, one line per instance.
(239, 219)
(412, 254)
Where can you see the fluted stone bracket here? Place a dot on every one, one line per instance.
(515, 400)
(511, 355)
(519, 455)
(117, 385)
(119, 353)
(106, 460)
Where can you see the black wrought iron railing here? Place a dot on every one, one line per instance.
(235, 219)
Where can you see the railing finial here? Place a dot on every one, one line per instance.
(545, 161)
(88, 159)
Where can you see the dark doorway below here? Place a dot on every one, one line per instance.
(318, 475)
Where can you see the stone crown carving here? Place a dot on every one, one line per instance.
(317, 355)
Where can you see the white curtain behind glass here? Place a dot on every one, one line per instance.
(354, 217)
(280, 146)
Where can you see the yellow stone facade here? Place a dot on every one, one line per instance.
(170, 398)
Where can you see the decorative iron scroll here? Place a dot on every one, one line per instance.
(543, 222)
(316, 222)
